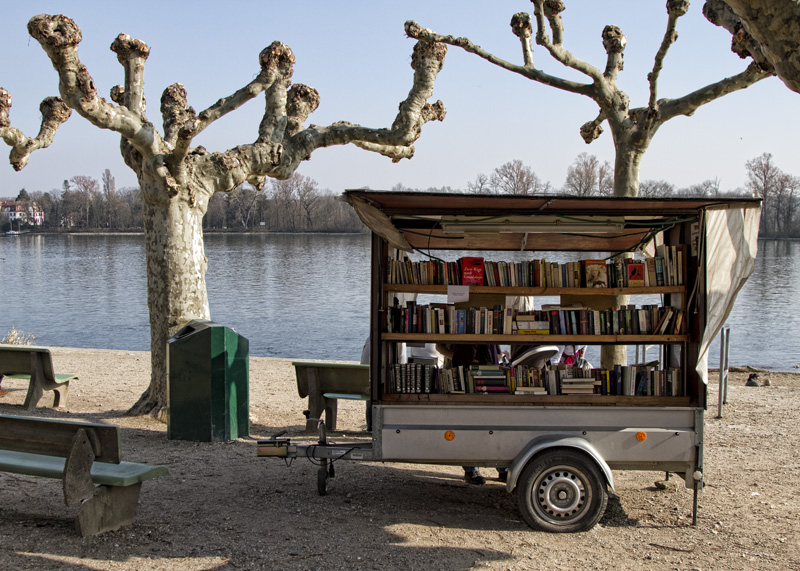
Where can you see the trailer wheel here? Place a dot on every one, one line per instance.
(562, 491)
(322, 479)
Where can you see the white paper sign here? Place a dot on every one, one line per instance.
(457, 293)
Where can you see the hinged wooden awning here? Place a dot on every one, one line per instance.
(443, 221)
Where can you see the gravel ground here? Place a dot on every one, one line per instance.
(221, 507)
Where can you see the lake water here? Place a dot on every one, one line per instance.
(299, 296)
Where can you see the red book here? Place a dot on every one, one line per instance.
(636, 274)
(471, 271)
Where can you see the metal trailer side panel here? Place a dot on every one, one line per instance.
(651, 438)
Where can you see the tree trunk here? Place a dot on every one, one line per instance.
(176, 286)
(626, 170)
(626, 184)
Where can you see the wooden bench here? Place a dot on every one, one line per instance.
(81, 455)
(34, 364)
(323, 383)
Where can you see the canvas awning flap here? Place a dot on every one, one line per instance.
(377, 221)
(731, 245)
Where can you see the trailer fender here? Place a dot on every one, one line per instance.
(538, 445)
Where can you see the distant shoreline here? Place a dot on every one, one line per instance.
(205, 232)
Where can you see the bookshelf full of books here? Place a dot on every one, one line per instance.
(566, 323)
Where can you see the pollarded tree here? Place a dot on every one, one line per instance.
(632, 128)
(177, 180)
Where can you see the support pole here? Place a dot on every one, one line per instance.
(724, 348)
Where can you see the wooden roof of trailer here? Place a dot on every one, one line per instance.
(444, 221)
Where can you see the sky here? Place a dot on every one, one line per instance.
(356, 54)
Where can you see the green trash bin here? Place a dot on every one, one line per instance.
(208, 392)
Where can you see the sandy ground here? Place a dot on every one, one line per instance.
(222, 507)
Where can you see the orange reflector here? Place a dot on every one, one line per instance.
(449, 435)
(641, 436)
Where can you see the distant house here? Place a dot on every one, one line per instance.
(20, 212)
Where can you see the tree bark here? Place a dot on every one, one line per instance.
(626, 170)
(176, 286)
(773, 24)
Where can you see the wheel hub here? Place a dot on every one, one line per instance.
(560, 494)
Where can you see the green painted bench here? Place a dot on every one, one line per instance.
(86, 458)
(34, 364)
(324, 383)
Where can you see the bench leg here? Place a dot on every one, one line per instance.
(110, 508)
(77, 481)
(331, 408)
(60, 395)
(316, 405)
(35, 393)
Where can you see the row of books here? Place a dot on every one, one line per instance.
(664, 269)
(621, 380)
(443, 318)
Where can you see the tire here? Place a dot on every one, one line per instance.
(322, 479)
(562, 491)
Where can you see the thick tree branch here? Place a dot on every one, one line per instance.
(675, 9)
(547, 10)
(396, 142)
(54, 113)
(278, 62)
(59, 37)
(591, 130)
(301, 102)
(416, 31)
(743, 44)
(522, 28)
(132, 54)
(223, 172)
(552, 11)
(688, 104)
(614, 42)
(176, 113)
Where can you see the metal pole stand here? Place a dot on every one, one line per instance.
(724, 351)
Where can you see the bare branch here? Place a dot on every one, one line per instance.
(59, 37)
(548, 10)
(301, 102)
(614, 43)
(132, 54)
(552, 11)
(522, 28)
(396, 142)
(416, 31)
(277, 61)
(175, 112)
(228, 170)
(720, 14)
(592, 130)
(54, 113)
(675, 9)
(688, 104)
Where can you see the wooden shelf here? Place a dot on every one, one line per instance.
(553, 291)
(533, 400)
(534, 339)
